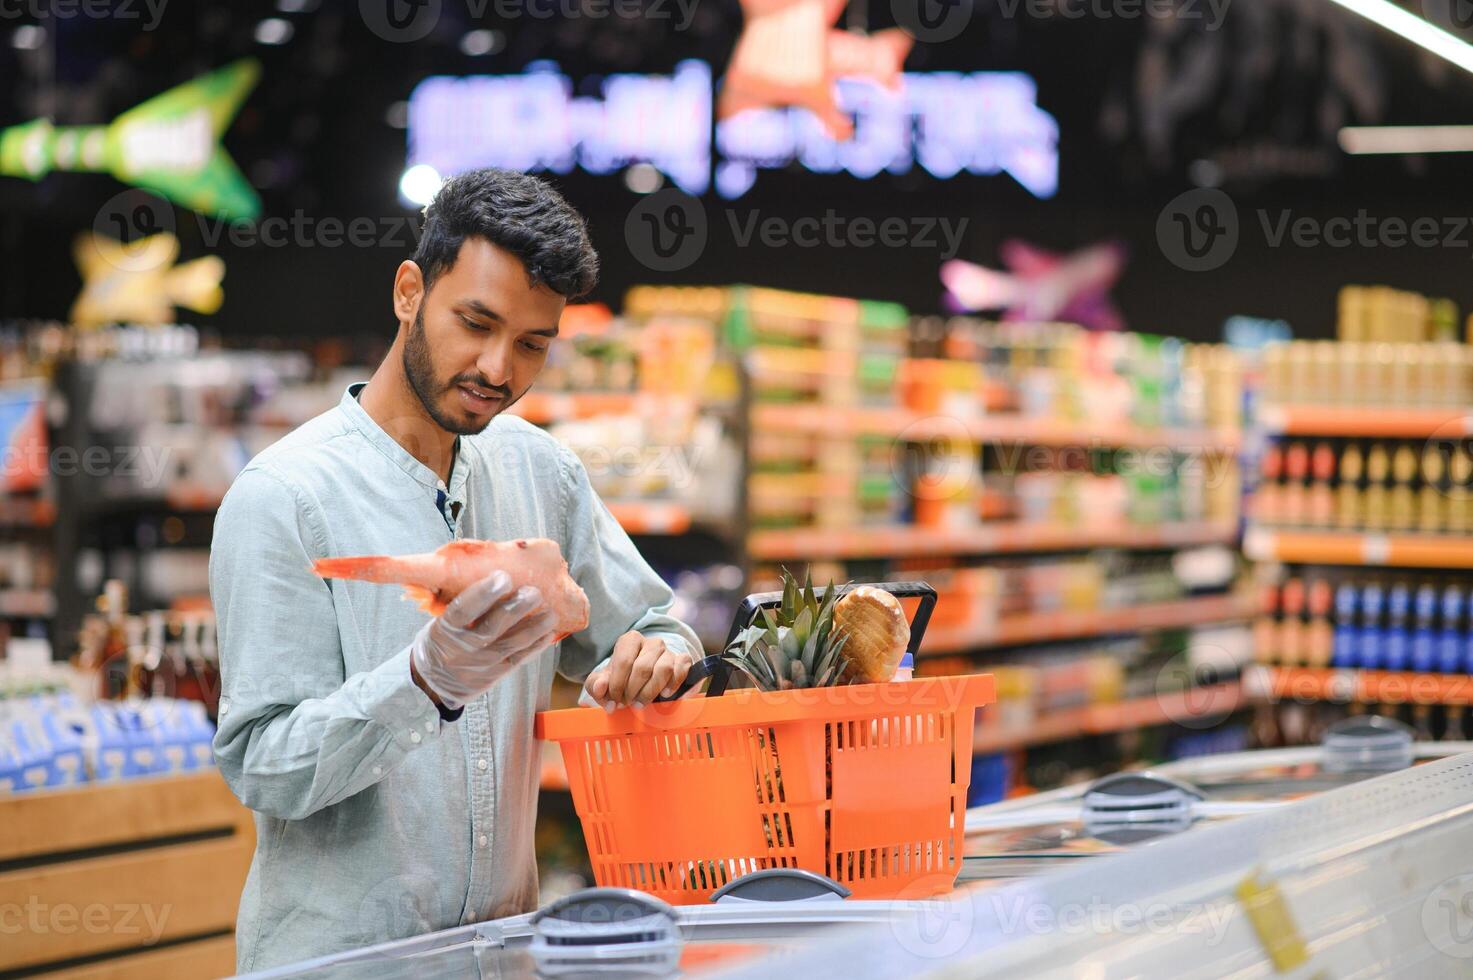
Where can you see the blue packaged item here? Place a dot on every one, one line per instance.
(990, 779)
(1344, 651)
(183, 732)
(66, 744)
(33, 756)
(1372, 599)
(1424, 639)
(1450, 637)
(109, 745)
(12, 770)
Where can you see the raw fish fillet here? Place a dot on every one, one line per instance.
(433, 580)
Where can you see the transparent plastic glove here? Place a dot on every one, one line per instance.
(480, 638)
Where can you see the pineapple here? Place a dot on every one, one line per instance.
(798, 646)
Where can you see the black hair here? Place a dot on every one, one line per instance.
(517, 212)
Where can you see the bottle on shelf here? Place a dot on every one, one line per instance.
(1450, 637)
(1268, 497)
(1346, 651)
(1452, 730)
(1403, 499)
(1291, 626)
(1422, 722)
(1459, 506)
(1432, 499)
(1424, 638)
(1396, 644)
(1372, 601)
(1264, 730)
(1377, 511)
(1349, 496)
(1321, 498)
(1295, 492)
(1266, 627)
(1319, 640)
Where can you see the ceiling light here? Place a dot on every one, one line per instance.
(28, 37)
(1406, 139)
(420, 183)
(1420, 32)
(274, 30)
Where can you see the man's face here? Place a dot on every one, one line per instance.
(480, 338)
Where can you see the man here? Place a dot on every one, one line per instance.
(390, 760)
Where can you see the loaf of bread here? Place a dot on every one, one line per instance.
(878, 633)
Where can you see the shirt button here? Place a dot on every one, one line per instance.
(416, 737)
(482, 765)
(378, 770)
(429, 726)
(481, 840)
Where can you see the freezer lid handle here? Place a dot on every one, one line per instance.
(781, 885)
(1370, 743)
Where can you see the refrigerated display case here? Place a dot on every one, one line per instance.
(1035, 834)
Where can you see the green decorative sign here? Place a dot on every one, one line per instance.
(169, 145)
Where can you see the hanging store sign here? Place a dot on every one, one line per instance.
(169, 145)
(945, 123)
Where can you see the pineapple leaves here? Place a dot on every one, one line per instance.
(795, 645)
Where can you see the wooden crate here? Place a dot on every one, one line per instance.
(136, 879)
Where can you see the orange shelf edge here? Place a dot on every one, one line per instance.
(1367, 423)
(912, 425)
(1358, 548)
(1369, 686)
(997, 538)
(1069, 624)
(1104, 719)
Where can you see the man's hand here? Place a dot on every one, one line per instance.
(641, 669)
(486, 633)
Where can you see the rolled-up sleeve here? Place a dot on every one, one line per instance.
(295, 734)
(624, 593)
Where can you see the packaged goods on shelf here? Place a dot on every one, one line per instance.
(1393, 375)
(1376, 622)
(1063, 371)
(1384, 314)
(51, 741)
(1403, 485)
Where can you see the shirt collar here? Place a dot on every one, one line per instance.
(396, 453)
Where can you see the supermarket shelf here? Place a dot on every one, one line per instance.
(26, 512)
(913, 426)
(541, 407)
(27, 603)
(650, 516)
(1371, 686)
(1353, 548)
(1367, 423)
(1003, 537)
(1069, 624)
(1103, 719)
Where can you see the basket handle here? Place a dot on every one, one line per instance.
(747, 611)
(719, 670)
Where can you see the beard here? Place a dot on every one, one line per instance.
(420, 372)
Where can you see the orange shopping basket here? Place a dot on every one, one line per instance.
(864, 783)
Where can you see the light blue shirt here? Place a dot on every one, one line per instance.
(375, 818)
